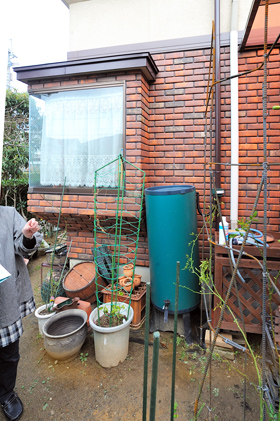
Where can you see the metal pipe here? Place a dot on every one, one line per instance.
(154, 377)
(175, 340)
(234, 184)
(146, 351)
(264, 283)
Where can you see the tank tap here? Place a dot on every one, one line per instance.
(165, 308)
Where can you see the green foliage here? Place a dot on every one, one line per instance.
(246, 223)
(273, 415)
(16, 151)
(115, 311)
(114, 314)
(175, 409)
(83, 357)
(179, 339)
(216, 391)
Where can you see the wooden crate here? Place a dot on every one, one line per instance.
(250, 292)
(138, 303)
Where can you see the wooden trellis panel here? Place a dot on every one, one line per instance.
(250, 292)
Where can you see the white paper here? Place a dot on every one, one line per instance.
(4, 274)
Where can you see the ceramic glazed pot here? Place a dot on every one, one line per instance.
(137, 280)
(128, 270)
(111, 343)
(42, 318)
(65, 333)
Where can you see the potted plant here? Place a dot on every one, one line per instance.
(52, 286)
(50, 289)
(111, 325)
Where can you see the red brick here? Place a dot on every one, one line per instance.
(156, 110)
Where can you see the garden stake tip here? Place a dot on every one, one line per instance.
(195, 407)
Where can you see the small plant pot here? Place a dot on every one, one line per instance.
(111, 343)
(122, 280)
(137, 280)
(127, 284)
(128, 270)
(43, 318)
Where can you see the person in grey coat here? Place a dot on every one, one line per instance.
(18, 239)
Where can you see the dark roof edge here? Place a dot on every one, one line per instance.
(154, 47)
(249, 24)
(142, 61)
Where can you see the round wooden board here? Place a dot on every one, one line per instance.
(269, 238)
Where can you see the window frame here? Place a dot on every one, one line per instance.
(85, 191)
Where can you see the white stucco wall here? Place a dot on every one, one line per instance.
(106, 23)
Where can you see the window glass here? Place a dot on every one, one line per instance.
(74, 133)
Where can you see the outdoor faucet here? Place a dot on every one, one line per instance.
(165, 308)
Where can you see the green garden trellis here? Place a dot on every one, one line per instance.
(118, 205)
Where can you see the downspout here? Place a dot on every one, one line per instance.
(217, 96)
(234, 186)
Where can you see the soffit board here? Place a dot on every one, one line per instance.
(143, 62)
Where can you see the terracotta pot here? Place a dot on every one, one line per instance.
(137, 280)
(81, 305)
(122, 280)
(127, 284)
(128, 270)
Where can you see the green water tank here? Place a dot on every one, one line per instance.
(172, 225)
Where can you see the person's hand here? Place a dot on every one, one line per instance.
(30, 228)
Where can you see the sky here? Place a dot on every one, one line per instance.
(39, 33)
(38, 30)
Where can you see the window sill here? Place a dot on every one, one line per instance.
(81, 191)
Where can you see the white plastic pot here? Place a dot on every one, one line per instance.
(111, 343)
(42, 318)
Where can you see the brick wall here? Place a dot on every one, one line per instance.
(165, 124)
(251, 135)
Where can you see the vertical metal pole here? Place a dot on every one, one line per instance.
(264, 284)
(175, 341)
(154, 377)
(146, 351)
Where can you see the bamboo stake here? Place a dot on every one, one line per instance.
(154, 377)
(175, 340)
(146, 351)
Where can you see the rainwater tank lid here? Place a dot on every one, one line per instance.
(166, 190)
